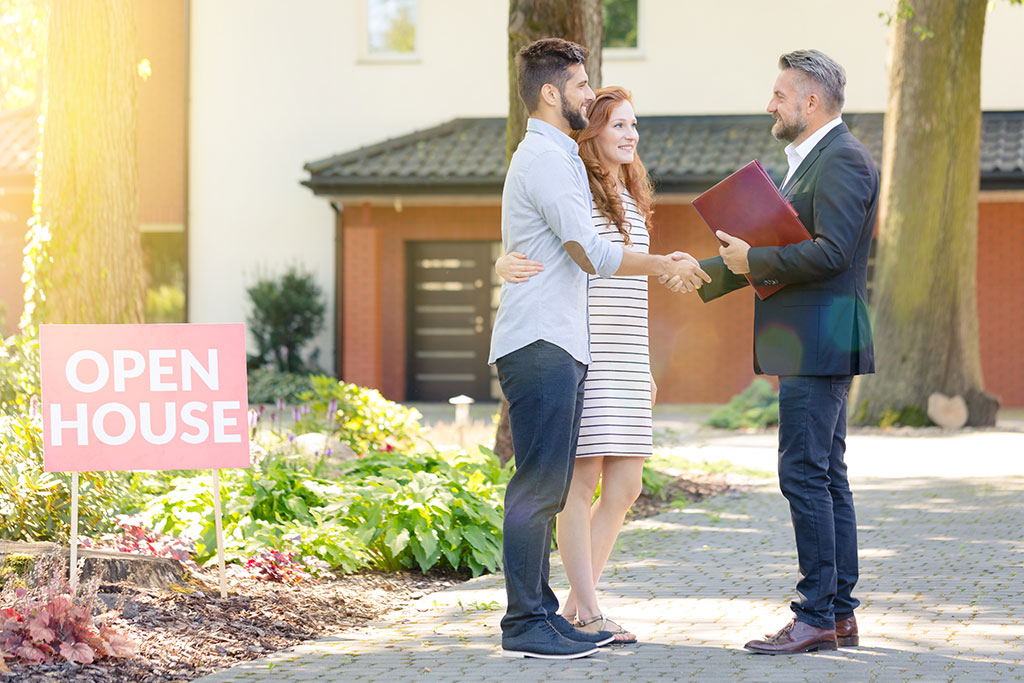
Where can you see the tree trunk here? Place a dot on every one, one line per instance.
(528, 20)
(88, 183)
(924, 300)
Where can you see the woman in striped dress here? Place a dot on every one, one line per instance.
(615, 431)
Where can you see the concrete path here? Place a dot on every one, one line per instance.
(942, 584)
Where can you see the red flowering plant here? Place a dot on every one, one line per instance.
(132, 537)
(48, 621)
(282, 567)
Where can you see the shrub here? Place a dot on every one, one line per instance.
(360, 417)
(19, 374)
(165, 304)
(36, 505)
(286, 314)
(756, 407)
(267, 386)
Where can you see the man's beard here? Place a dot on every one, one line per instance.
(788, 130)
(576, 120)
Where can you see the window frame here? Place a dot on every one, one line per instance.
(367, 56)
(630, 53)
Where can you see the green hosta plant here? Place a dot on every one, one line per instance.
(425, 511)
(275, 504)
(387, 511)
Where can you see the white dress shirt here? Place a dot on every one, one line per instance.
(796, 154)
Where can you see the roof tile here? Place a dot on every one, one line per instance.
(689, 152)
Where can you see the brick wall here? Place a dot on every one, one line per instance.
(387, 274)
(1001, 299)
(700, 353)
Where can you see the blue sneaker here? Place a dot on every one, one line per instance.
(562, 625)
(544, 642)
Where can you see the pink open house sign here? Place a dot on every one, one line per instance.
(143, 397)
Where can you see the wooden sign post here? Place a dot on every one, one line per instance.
(143, 397)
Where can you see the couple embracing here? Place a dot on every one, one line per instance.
(571, 348)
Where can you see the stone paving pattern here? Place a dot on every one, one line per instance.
(942, 585)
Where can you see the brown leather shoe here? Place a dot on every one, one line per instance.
(846, 632)
(795, 637)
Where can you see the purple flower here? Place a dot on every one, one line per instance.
(291, 437)
(296, 414)
(254, 418)
(304, 409)
(332, 408)
(328, 451)
(280, 404)
(261, 409)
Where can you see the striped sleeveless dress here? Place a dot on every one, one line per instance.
(617, 391)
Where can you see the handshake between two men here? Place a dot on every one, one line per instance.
(678, 271)
(733, 252)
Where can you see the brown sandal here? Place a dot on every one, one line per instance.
(602, 623)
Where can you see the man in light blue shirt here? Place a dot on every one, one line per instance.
(540, 341)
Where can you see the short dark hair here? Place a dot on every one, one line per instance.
(821, 69)
(547, 60)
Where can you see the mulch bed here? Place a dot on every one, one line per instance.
(190, 631)
(692, 486)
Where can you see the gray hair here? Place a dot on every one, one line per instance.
(821, 69)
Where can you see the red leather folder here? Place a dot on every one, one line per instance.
(749, 206)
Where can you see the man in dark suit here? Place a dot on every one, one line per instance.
(814, 334)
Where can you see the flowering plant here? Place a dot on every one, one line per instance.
(133, 537)
(50, 621)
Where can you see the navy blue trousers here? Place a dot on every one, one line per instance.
(544, 388)
(812, 476)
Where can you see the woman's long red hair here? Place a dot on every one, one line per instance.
(603, 185)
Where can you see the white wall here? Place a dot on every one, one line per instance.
(275, 84)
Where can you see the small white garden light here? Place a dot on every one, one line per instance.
(462, 404)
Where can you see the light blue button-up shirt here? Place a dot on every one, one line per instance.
(544, 205)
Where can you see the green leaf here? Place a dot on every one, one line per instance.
(396, 542)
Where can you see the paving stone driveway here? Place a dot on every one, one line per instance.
(942, 586)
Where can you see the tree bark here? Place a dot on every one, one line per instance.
(924, 298)
(88, 183)
(528, 20)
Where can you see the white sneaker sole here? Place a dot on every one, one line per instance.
(521, 654)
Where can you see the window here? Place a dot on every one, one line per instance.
(164, 255)
(621, 27)
(391, 29)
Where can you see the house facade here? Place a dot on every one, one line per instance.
(419, 294)
(273, 91)
(273, 94)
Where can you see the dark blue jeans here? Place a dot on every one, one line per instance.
(544, 388)
(812, 476)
